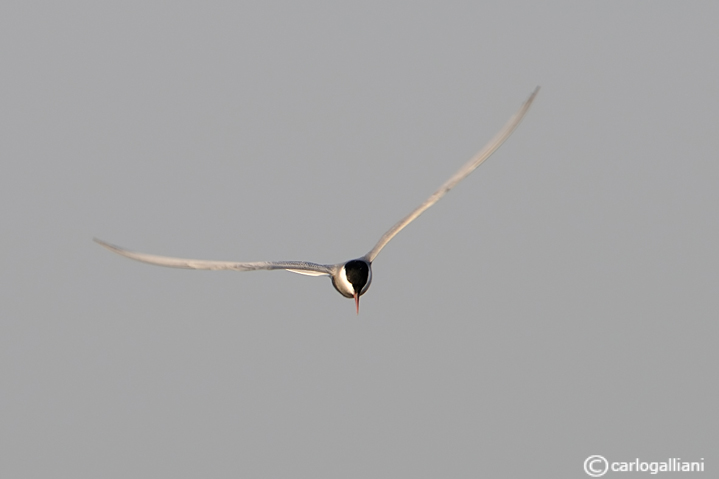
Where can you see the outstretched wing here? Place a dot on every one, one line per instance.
(463, 172)
(301, 267)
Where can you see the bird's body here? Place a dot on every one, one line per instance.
(352, 278)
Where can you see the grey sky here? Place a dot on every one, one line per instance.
(560, 302)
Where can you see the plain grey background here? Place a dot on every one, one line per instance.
(561, 302)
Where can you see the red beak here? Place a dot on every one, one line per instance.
(357, 301)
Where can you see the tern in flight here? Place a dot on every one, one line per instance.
(352, 278)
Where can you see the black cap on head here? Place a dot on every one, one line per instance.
(357, 274)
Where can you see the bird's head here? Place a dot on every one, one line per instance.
(353, 279)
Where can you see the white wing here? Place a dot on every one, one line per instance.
(468, 167)
(301, 267)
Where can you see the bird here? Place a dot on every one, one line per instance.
(351, 278)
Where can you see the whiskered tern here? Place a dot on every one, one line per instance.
(352, 278)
